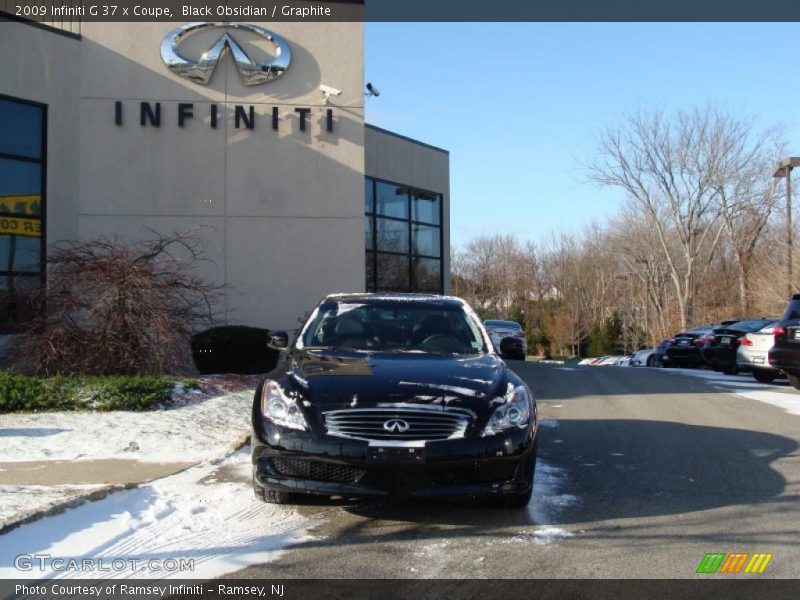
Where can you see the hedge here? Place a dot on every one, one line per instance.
(132, 393)
(233, 349)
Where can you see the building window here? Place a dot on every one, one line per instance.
(22, 207)
(403, 237)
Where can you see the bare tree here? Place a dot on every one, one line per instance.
(112, 308)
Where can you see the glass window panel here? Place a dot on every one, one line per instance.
(426, 240)
(369, 196)
(368, 233)
(370, 271)
(391, 200)
(392, 272)
(20, 253)
(20, 187)
(427, 274)
(21, 128)
(392, 235)
(425, 207)
(15, 299)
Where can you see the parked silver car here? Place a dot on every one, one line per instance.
(644, 358)
(752, 354)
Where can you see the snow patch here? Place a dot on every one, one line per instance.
(543, 535)
(220, 526)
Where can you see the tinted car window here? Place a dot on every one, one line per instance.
(506, 324)
(792, 311)
(753, 325)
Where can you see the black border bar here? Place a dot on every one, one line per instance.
(418, 10)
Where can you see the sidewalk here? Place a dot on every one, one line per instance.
(50, 462)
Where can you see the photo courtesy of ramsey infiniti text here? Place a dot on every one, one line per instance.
(393, 394)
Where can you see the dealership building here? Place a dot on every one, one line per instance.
(253, 133)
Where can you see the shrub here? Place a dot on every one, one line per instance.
(117, 309)
(24, 393)
(233, 349)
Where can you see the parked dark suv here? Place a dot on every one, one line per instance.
(719, 349)
(785, 353)
(393, 394)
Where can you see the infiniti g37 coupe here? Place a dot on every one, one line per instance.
(393, 395)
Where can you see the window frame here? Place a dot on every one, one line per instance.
(5, 327)
(410, 255)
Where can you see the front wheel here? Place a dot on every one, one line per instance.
(730, 370)
(794, 381)
(651, 361)
(764, 376)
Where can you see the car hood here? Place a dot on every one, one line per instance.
(330, 380)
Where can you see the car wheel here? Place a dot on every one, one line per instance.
(271, 496)
(730, 370)
(764, 376)
(794, 381)
(517, 501)
(651, 361)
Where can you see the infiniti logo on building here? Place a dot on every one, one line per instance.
(396, 426)
(201, 70)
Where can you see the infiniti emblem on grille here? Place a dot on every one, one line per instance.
(396, 425)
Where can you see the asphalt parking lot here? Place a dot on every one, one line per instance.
(641, 472)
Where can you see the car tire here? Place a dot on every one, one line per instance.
(271, 496)
(730, 370)
(762, 376)
(794, 381)
(518, 501)
(651, 361)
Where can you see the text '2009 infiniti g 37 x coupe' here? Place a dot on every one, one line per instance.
(393, 394)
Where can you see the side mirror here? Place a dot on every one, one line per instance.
(510, 346)
(278, 340)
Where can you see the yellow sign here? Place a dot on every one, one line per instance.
(21, 205)
(24, 227)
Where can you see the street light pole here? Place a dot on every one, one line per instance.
(784, 169)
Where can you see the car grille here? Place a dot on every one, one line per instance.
(315, 470)
(398, 423)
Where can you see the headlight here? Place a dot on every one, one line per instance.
(280, 408)
(515, 412)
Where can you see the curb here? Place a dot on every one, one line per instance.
(104, 492)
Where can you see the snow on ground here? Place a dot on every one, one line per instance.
(777, 394)
(17, 501)
(207, 514)
(195, 431)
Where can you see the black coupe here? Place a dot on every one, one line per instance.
(393, 394)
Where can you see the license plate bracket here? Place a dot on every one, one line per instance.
(404, 455)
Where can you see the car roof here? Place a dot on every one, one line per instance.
(364, 297)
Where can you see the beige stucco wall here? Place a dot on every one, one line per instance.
(44, 67)
(280, 213)
(401, 160)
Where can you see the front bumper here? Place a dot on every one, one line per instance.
(302, 462)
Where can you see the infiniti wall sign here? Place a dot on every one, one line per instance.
(201, 70)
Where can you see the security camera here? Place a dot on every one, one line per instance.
(372, 90)
(328, 91)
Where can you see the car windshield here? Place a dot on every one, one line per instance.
(505, 324)
(394, 326)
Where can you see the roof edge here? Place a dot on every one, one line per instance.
(406, 138)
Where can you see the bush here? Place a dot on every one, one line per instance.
(118, 309)
(23, 393)
(233, 349)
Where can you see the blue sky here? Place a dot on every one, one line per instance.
(520, 105)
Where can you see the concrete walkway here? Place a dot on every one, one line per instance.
(31, 490)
